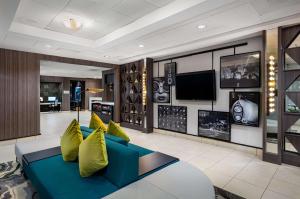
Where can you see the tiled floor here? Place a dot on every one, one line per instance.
(235, 171)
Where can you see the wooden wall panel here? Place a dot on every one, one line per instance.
(19, 100)
(20, 91)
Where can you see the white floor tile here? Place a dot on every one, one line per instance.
(244, 189)
(272, 195)
(285, 188)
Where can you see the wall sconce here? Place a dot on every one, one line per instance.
(144, 94)
(271, 84)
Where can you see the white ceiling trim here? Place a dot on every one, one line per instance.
(152, 18)
(217, 39)
(50, 35)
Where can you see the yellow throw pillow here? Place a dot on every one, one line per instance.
(96, 122)
(92, 153)
(116, 130)
(70, 141)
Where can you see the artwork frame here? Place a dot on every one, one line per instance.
(237, 72)
(172, 118)
(214, 124)
(170, 73)
(244, 108)
(161, 91)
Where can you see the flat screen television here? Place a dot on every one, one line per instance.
(51, 99)
(196, 85)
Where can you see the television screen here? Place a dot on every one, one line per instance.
(196, 86)
(50, 99)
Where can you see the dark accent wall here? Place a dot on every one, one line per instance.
(108, 85)
(20, 91)
(65, 81)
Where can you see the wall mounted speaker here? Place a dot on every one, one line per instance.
(170, 72)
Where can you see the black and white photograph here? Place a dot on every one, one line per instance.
(244, 108)
(172, 118)
(240, 70)
(161, 90)
(214, 124)
(170, 73)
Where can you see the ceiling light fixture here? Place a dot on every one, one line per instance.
(202, 26)
(48, 46)
(72, 24)
(141, 46)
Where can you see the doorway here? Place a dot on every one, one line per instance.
(77, 95)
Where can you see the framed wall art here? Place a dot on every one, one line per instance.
(172, 118)
(170, 73)
(161, 90)
(214, 124)
(244, 108)
(240, 70)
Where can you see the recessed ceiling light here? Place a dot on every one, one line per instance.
(72, 23)
(48, 46)
(202, 26)
(141, 46)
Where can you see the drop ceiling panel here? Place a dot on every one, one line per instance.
(159, 3)
(38, 13)
(134, 8)
(264, 7)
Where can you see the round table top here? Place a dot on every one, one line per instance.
(179, 180)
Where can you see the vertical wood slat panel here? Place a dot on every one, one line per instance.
(19, 94)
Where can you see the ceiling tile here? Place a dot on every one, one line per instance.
(266, 6)
(38, 13)
(159, 3)
(134, 8)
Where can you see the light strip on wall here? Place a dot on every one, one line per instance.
(144, 94)
(271, 84)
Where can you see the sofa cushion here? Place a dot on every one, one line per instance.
(92, 153)
(62, 180)
(116, 139)
(87, 131)
(123, 164)
(142, 151)
(96, 122)
(70, 141)
(116, 130)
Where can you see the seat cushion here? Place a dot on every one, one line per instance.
(70, 141)
(123, 164)
(116, 130)
(96, 122)
(87, 131)
(116, 139)
(92, 153)
(62, 180)
(142, 151)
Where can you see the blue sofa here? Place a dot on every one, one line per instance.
(54, 178)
